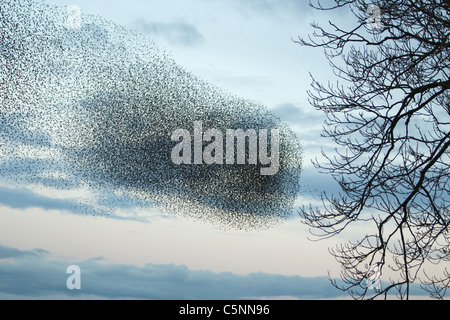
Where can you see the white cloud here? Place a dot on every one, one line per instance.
(177, 33)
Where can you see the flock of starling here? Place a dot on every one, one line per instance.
(94, 106)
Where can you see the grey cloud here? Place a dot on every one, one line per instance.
(314, 184)
(271, 7)
(22, 198)
(178, 33)
(296, 114)
(8, 252)
(33, 276)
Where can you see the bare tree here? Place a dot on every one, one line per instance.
(389, 114)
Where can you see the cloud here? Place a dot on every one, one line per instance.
(293, 113)
(271, 6)
(31, 275)
(24, 198)
(34, 276)
(178, 33)
(8, 252)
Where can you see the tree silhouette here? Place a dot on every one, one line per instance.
(389, 114)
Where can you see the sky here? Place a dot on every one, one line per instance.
(245, 48)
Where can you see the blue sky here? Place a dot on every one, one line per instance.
(242, 47)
